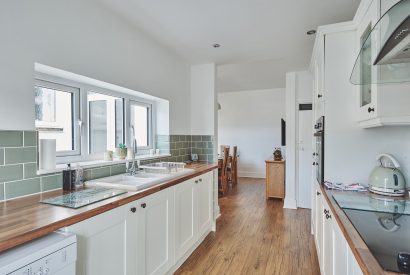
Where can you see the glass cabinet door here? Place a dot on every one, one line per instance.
(366, 68)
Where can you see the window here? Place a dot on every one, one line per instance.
(140, 119)
(106, 122)
(86, 120)
(56, 114)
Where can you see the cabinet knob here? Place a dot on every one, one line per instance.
(319, 96)
(133, 209)
(143, 205)
(328, 216)
(200, 180)
(326, 211)
(369, 110)
(317, 193)
(196, 181)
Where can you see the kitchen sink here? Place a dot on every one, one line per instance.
(139, 181)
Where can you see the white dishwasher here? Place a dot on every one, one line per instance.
(55, 253)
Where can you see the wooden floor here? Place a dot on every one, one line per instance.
(255, 236)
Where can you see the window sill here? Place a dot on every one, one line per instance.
(99, 163)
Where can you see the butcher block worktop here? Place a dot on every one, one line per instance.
(25, 219)
(363, 255)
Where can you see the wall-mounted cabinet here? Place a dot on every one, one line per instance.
(378, 103)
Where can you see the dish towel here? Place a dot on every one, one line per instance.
(345, 186)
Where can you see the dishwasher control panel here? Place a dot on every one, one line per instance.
(50, 264)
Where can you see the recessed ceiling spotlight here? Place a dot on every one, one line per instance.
(311, 32)
(216, 45)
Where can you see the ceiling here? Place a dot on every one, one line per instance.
(260, 39)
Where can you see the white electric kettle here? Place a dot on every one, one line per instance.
(387, 179)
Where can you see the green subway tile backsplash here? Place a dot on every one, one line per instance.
(1, 156)
(21, 188)
(20, 155)
(18, 170)
(11, 172)
(11, 138)
(51, 182)
(30, 170)
(1, 191)
(30, 138)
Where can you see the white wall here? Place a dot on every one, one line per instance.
(84, 38)
(251, 120)
(298, 90)
(203, 99)
(350, 152)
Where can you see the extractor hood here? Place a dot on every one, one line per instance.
(385, 52)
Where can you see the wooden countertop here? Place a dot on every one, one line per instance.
(363, 255)
(25, 219)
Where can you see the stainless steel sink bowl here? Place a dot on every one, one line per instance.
(138, 181)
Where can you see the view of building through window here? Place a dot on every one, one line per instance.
(140, 119)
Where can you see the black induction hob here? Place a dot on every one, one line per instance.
(384, 225)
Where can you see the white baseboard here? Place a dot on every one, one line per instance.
(249, 174)
(290, 203)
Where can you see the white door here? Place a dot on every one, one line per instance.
(305, 159)
(185, 217)
(204, 192)
(155, 233)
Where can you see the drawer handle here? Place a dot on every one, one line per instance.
(133, 209)
(369, 110)
(143, 205)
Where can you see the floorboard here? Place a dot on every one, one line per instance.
(255, 236)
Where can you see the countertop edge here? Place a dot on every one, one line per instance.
(367, 262)
(112, 203)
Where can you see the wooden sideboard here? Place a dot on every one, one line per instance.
(275, 179)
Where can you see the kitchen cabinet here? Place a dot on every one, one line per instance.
(193, 212)
(327, 248)
(334, 254)
(319, 78)
(155, 233)
(151, 235)
(102, 243)
(379, 104)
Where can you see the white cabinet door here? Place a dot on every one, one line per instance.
(339, 251)
(185, 217)
(353, 267)
(204, 191)
(102, 244)
(327, 248)
(319, 224)
(155, 233)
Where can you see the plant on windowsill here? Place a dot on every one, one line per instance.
(121, 151)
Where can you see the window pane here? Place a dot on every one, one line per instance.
(140, 121)
(54, 117)
(106, 122)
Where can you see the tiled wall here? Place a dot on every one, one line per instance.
(18, 156)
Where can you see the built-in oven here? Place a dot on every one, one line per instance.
(319, 153)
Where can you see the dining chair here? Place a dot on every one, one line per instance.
(222, 173)
(233, 167)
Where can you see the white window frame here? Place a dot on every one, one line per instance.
(150, 127)
(81, 109)
(75, 110)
